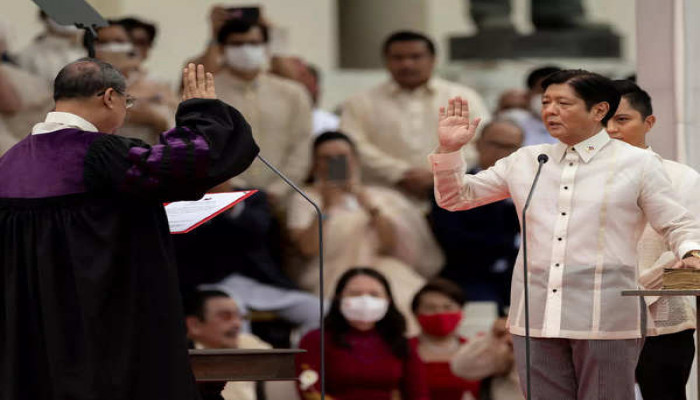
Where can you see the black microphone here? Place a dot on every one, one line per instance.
(541, 160)
(319, 214)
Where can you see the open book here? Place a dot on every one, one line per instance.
(184, 216)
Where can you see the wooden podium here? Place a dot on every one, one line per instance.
(223, 365)
(677, 292)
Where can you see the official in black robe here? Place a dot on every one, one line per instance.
(90, 307)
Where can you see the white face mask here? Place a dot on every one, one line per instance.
(536, 104)
(116, 47)
(247, 57)
(62, 29)
(364, 308)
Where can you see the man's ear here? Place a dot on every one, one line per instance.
(110, 98)
(600, 110)
(649, 122)
(193, 325)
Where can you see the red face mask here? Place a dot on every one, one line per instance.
(441, 324)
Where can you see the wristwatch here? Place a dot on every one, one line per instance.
(692, 253)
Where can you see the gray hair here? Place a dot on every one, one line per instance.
(87, 77)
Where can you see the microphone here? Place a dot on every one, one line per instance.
(319, 215)
(541, 160)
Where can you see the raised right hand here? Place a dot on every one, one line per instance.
(454, 128)
(196, 83)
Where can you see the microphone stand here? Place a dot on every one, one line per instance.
(319, 215)
(541, 160)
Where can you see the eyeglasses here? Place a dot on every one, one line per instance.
(130, 100)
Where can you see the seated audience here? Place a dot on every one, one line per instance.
(367, 353)
(214, 322)
(490, 359)
(24, 100)
(438, 309)
(481, 244)
(363, 225)
(237, 252)
(57, 46)
(155, 105)
(394, 123)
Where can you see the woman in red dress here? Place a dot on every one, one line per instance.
(438, 309)
(367, 354)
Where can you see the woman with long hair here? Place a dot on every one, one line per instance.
(363, 225)
(367, 354)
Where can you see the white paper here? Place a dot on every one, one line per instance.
(184, 215)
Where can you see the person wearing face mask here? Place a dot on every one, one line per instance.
(57, 46)
(363, 225)
(367, 353)
(278, 109)
(529, 119)
(154, 110)
(438, 308)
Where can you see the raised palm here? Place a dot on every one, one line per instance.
(454, 128)
(197, 83)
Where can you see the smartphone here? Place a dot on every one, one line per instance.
(249, 14)
(337, 169)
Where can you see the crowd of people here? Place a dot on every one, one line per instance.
(399, 267)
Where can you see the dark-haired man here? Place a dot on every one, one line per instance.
(214, 321)
(593, 198)
(667, 357)
(90, 303)
(141, 33)
(278, 110)
(390, 123)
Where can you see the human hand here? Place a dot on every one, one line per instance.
(196, 83)
(217, 18)
(691, 262)
(417, 181)
(454, 128)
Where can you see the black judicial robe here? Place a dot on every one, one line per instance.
(89, 302)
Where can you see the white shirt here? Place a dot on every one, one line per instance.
(57, 120)
(584, 222)
(394, 128)
(669, 314)
(46, 56)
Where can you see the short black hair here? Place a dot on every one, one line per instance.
(132, 23)
(638, 98)
(195, 302)
(407, 36)
(239, 25)
(591, 87)
(442, 286)
(540, 73)
(87, 77)
(333, 135)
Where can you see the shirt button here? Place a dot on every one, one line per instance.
(563, 213)
(556, 265)
(554, 290)
(571, 164)
(566, 188)
(559, 239)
